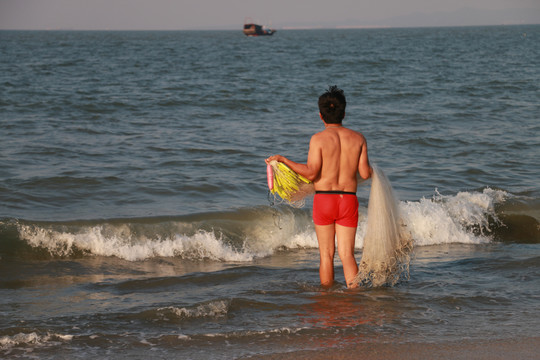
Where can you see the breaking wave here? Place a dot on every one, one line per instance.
(243, 235)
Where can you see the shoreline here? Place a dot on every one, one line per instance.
(502, 349)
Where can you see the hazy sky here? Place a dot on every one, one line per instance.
(211, 14)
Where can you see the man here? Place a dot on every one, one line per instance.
(336, 155)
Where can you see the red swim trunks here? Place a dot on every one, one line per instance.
(338, 207)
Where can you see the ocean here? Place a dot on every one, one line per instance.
(135, 219)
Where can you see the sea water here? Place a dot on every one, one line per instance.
(134, 213)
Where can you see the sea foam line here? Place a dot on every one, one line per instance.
(22, 339)
(461, 218)
(95, 241)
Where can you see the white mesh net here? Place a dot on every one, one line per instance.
(387, 244)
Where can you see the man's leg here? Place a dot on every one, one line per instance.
(345, 239)
(327, 248)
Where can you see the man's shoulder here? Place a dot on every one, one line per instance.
(352, 134)
(355, 133)
(323, 135)
(317, 137)
(359, 134)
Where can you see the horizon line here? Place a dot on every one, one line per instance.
(286, 28)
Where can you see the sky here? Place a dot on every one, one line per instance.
(231, 14)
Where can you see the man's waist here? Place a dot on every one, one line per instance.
(336, 192)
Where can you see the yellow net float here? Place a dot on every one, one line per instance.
(288, 185)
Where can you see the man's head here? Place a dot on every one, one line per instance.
(332, 105)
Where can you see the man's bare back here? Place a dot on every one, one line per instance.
(338, 153)
(335, 156)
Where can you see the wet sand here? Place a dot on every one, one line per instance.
(522, 349)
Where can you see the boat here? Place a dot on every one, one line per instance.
(252, 29)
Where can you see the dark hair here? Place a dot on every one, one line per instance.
(332, 105)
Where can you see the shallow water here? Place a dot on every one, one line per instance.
(134, 216)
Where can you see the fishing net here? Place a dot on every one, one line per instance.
(287, 186)
(387, 243)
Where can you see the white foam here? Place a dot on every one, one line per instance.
(461, 218)
(10, 341)
(212, 309)
(281, 231)
(451, 219)
(260, 237)
(95, 240)
(22, 339)
(251, 333)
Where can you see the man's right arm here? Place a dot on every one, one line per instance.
(312, 169)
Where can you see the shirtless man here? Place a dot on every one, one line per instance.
(336, 155)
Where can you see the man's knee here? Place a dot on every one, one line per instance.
(346, 253)
(327, 257)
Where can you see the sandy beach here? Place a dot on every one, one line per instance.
(479, 350)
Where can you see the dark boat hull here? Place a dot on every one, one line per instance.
(257, 30)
